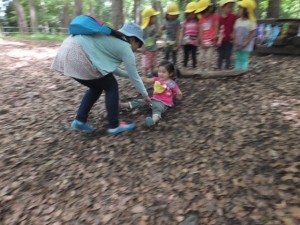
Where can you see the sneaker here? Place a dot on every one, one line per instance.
(149, 121)
(121, 128)
(84, 127)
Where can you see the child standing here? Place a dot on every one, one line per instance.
(244, 33)
(190, 34)
(227, 20)
(172, 29)
(164, 90)
(149, 56)
(208, 30)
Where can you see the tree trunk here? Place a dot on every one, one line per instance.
(33, 18)
(156, 4)
(257, 12)
(77, 7)
(137, 11)
(91, 9)
(66, 14)
(208, 74)
(117, 13)
(273, 9)
(22, 23)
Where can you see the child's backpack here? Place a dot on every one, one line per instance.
(86, 25)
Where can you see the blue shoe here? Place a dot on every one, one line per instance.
(84, 127)
(149, 121)
(121, 128)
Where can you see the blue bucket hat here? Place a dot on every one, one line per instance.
(132, 30)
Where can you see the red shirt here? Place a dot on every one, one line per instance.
(228, 23)
(208, 26)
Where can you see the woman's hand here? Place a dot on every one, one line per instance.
(147, 99)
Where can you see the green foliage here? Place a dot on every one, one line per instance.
(39, 36)
(290, 9)
(53, 12)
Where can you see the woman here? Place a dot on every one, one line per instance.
(91, 60)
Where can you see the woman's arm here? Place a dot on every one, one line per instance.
(121, 73)
(147, 80)
(130, 66)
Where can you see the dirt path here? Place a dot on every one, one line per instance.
(228, 152)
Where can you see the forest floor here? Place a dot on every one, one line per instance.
(227, 154)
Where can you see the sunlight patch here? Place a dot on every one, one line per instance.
(38, 53)
(290, 110)
(4, 42)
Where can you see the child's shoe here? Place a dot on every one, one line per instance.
(121, 128)
(84, 127)
(149, 121)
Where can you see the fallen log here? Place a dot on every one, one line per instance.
(209, 74)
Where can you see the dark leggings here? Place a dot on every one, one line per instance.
(168, 51)
(187, 49)
(107, 83)
(224, 54)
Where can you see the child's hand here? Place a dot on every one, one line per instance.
(178, 94)
(243, 45)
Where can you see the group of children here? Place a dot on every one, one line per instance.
(202, 27)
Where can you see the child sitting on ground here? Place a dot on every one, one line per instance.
(164, 90)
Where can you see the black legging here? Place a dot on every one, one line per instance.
(225, 53)
(187, 49)
(107, 83)
(168, 51)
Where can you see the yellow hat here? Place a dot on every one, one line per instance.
(223, 2)
(191, 7)
(146, 15)
(202, 5)
(172, 9)
(250, 5)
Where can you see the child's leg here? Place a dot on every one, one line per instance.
(174, 52)
(206, 58)
(194, 52)
(210, 51)
(156, 118)
(136, 103)
(145, 63)
(201, 58)
(245, 60)
(157, 109)
(185, 55)
(228, 52)
(221, 55)
(168, 50)
(124, 105)
(153, 61)
(237, 64)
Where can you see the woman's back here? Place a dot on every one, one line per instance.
(106, 52)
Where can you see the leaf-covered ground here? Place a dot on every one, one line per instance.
(227, 154)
